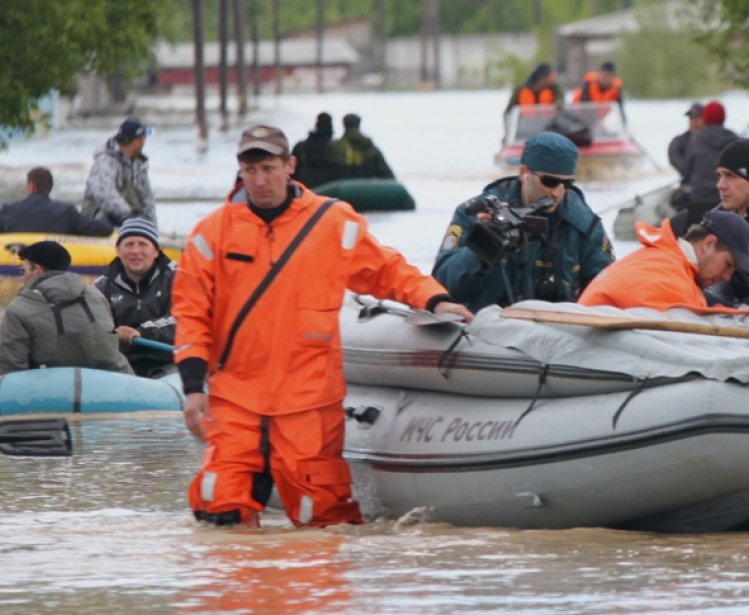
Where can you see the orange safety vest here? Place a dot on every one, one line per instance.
(529, 96)
(595, 93)
(286, 355)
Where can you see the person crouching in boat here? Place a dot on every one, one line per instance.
(669, 271)
(257, 297)
(138, 287)
(490, 256)
(732, 171)
(57, 320)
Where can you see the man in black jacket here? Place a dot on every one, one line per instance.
(38, 213)
(138, 286)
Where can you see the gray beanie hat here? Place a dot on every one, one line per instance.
(142, 227)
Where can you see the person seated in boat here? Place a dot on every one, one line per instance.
(491, 255)
(541, 88)
(57, 320)
(261, 324)
(318, 157)
(601, 86)
(702, 156)
(38, 213)
(670, 271)
(117, 186)
(138, 286)
(733, 188)
(360, 156)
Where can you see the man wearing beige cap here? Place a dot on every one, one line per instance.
(257, 296)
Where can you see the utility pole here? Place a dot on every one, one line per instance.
(319, 36)
(380, 50)
(197, 30)
(223, 37)
(255, 29)
(240, 70)
(277, 70)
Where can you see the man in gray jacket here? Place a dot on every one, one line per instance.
(117, 186)
(57, 320)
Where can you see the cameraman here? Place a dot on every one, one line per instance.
(554, 264)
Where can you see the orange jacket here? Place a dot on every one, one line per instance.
(286, 356)
(594, 91)
(657, 276)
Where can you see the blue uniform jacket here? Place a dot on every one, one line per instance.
(555, 266)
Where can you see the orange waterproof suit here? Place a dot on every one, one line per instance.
(285, 366)
(657, 276)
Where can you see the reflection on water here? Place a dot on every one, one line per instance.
(109, 530)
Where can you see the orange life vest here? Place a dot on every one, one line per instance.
(528, 96)
(595, 93)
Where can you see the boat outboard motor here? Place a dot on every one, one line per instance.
(508, 227)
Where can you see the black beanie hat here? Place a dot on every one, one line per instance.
(48, 254)
(735, 157)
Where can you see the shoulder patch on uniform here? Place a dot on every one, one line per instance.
(606, 246)
(452, 237)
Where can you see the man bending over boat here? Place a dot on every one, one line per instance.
(257, 297)
(57, 320)
(138, 286)
(669, 271)
(532, 236)
(38, 213)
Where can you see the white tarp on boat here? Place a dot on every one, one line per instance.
(642, 353)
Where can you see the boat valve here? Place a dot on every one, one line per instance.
(363, 414)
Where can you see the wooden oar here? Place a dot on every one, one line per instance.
(37, 438)
(603, 321)
(146, 343)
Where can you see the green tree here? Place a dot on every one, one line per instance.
(45, 44)
(722, 27)
(661, 59)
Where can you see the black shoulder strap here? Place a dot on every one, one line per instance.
(270, 276)
(58, 306)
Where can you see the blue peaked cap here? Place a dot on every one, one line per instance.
(550, 152)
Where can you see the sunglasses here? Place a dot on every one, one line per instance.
(552, 182)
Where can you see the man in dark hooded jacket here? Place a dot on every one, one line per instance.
(362, 158)
(318, 157)
(702, 157)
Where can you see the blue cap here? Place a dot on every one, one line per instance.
(550, 152)
(733, 230)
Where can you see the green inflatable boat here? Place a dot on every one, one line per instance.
(367, 194)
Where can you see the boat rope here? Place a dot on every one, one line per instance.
(639, 386)
(448, 355)
(542, 376)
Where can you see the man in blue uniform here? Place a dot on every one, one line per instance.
(531, 236)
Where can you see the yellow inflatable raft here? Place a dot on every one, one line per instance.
(90, 255)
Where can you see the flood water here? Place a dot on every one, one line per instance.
(108, 530)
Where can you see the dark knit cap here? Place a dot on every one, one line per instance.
(550, 152)
(735, 157)
(48, 254)
(131, 129)
(140, 227)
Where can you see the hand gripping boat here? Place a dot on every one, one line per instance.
(643, 423)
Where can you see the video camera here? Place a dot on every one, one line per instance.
(507, 228)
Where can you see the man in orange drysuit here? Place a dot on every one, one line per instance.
(275, 371)
(672, 272)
